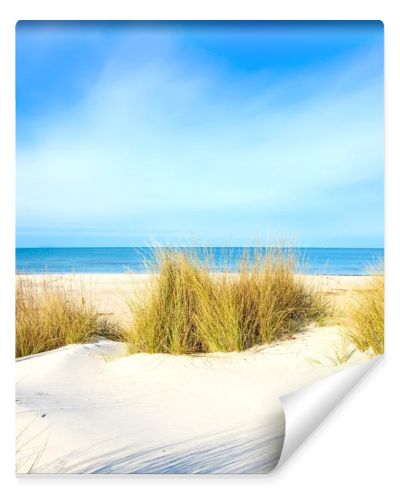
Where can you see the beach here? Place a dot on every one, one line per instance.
(110, 293)
(95, 408)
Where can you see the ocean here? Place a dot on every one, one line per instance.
(341, 261)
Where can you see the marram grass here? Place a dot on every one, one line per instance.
(189, 309)
(50, 316)
(366, 318)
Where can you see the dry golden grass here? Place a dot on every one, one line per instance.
(50, 316)
(190, 310)
(365, 325)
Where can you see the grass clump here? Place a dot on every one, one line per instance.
(366, 318)
(50, 316)
(189, 309)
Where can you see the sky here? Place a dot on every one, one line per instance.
(213, 133)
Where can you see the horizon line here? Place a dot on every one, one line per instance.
(44, 247)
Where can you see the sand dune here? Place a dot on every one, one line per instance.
(92, 408)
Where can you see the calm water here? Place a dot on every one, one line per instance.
(117, 260)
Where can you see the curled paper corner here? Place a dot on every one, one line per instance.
(306, 408)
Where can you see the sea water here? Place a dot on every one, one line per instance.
(341, 261)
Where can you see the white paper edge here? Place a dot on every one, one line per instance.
(306, 408)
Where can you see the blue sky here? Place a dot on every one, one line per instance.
(204, 133)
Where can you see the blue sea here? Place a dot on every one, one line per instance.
(341, 261)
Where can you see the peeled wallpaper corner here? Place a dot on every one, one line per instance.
(308, 407)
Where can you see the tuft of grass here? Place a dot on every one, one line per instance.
(366, 318)
(50, 316)
(189, 309)
(342, 352)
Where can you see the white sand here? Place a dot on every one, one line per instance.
(91, 408)
(86, 408)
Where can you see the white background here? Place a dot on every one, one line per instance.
(355, 452)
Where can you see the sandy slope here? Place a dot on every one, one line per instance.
(91, 408)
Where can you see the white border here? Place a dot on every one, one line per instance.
(354, 454)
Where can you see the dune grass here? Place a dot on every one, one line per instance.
(365, 325)
(50, 316)
(189, 309)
